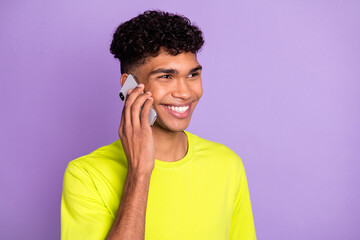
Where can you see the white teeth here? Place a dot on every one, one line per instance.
(178, 109)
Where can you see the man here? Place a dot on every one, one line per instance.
(158, 182)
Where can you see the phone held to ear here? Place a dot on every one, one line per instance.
(131, 82)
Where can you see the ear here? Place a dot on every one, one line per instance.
(123, 78)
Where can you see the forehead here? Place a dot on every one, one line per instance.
(182, 62)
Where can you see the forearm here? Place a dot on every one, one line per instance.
(129, 223)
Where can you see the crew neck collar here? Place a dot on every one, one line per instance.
(184, 160)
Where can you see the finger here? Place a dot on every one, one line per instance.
(145, 112)
(122, 121)
(123, 110)
(128, 104)
(126, 118)
(134, 93)
(128, 92)
(136, 108)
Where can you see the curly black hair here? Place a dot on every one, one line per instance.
(143, 36)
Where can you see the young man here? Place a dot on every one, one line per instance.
(158, 182)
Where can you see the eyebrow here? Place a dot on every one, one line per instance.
(196, 69)
(173, 71)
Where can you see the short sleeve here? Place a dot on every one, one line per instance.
(242, 224)
(83, 213)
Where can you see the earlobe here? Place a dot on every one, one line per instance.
(123, 78)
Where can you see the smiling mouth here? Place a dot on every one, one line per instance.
(178, 111)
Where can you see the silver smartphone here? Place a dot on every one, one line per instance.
(131, 82)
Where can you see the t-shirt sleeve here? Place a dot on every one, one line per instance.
(83, 213)
(242, 224)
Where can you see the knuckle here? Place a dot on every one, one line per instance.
(133, 107)
(127, 104)
(127, 132)
(121, 136)
(137, 132)
(136, 105)
(137, 91)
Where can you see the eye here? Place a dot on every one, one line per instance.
(194, 74)
(165, 76)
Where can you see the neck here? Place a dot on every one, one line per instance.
(169, 146)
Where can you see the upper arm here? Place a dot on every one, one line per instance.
(83, 212)
(242, 224)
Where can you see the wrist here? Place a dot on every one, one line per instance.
(138, 175)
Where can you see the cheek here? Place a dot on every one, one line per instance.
(198, 90)
(157, 93)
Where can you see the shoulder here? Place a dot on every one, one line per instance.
(98, 174)
(101, 160)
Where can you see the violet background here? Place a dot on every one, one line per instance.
(281, 88)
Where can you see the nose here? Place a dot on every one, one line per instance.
(181, 89)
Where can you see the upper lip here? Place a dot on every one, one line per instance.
(178, 104)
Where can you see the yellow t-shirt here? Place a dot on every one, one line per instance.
(203, 196)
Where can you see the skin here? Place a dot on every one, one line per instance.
(180, 87)
(167, 80)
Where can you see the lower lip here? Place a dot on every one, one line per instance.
(177, 114)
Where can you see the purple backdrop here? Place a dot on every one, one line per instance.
(281, 88)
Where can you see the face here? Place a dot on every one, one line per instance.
(176, 87)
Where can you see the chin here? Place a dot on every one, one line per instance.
(172, 126)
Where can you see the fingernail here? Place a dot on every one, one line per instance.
(129, 91)
(148, 92)
(141, 85)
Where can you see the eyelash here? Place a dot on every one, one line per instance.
(168, 76)
(165, 76)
